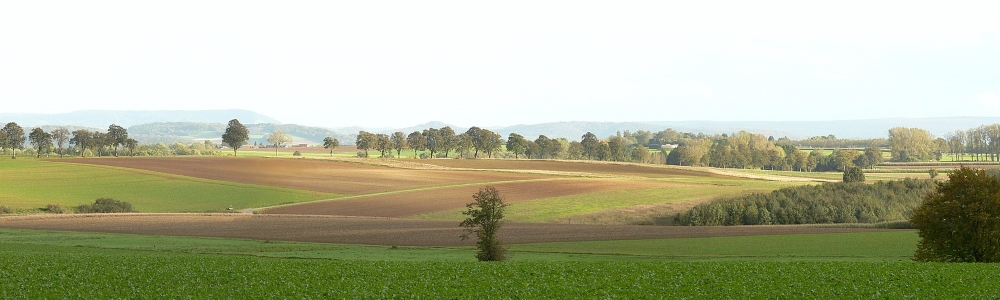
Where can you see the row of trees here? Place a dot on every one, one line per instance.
(981, 143)
(12, 137)
(826, 203)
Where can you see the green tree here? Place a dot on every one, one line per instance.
(236, 135)
(278, 138)
(398, 142)
(330, 143)
(60, 136)
(117, 136)
(433, 138)
(382, 143)
(516, 144)
(544, 144)
(40, 140)
(640, 154)
(933, 173)
(911, 144)
(82, 139)
(15, 138)
(366, 140)
(448, 140)
(960, 221)
(131, 144)
(486, 214)
(854, 174)
(416, 141)
(589, 142)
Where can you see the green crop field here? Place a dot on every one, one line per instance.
(560, 208)
(64, 269)
(30, 184)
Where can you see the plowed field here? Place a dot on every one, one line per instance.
(371, 231)
(314, 175)
(426, 201)
(569, 166)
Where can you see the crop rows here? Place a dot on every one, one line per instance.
(33, 271)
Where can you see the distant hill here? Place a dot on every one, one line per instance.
(128, 118)
(170, 132)
(855, 129)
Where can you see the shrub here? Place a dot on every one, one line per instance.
(854, 174)
(105, 205)
(960, 220)
(297, 153)
(5, 210)
(933, 173)
(54, 209)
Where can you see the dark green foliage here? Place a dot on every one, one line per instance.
(933, 173)
(826, 203)
(485, 219)
(297, 153)
(854, 174)
(236, 135)
(960, 221)
(105, 205)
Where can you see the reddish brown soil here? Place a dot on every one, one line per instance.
(371, 231)
(426, 201)
(314, 175)
(569, 166)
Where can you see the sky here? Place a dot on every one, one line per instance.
(396, 64)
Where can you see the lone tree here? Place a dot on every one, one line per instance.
(236, 135)
(330, 143)
(485, 215)
(278, 138)
(960, 221)
(15, 138)
(854, 174)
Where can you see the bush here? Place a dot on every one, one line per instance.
(105, 205)
(854, 174)
(933, 173)
(54, 209)
(5, 210)
(960, 220)
(297, 153)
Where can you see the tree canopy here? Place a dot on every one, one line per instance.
(486, 214)
(960, 220)
(236, 135)
(14, 138)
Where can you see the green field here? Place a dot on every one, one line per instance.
(41, 264)
(31, 184)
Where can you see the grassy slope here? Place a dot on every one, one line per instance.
(31, 184)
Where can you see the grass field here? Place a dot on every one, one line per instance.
(30, 183)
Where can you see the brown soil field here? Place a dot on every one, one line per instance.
(371, 231)
(427, 201)
(314, 175)
(570, 166)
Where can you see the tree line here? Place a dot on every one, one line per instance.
(980, 143)
(838, 202)
(109, 142)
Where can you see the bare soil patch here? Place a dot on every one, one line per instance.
(312, 174)
(427, 201)
(372, 231)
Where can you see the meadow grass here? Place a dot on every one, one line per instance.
(29, 183)
(563, 207)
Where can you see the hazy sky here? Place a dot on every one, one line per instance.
(380, 64)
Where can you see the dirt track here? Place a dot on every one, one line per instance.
(314, 175)
(370, 231)
(569, 166)
(427, 201)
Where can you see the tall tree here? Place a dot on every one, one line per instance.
(40, 140)
(398, 142)
(330, 143)
(491, 142)
(383, 144)
(486, 214)
(589, 142)
(416, 141)
(618, 148)
(278, 138)
(15, 138)
(117, 135)
(433, 138)
(910, 144)
(544, 144)
(366, 140)
(82, 138)
(516, 144)
(236, 135)
(474, 134)
(60, 136)
(448, 140)
(464, 145)
(131, 144)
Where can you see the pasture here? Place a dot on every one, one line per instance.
(30, 184)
